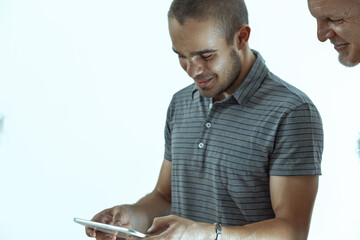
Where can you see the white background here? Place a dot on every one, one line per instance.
(84, 89)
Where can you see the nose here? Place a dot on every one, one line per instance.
(324, 31)
(194, 68)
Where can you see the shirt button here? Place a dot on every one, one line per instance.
(208, 125)
(201, 145)
(210, 105)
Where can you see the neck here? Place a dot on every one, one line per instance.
(247, 59)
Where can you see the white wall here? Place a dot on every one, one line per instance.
(84, 88)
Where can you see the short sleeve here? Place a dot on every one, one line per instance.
(167, 134)
(299, 143)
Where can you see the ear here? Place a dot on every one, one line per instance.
(242, 36)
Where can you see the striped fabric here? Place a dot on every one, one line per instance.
(222, 154)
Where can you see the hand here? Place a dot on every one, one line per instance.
(123, 216)
(178, 228)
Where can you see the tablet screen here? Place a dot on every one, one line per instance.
(111, 229)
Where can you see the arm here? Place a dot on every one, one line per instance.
(158, 202)
(292, 200)
(140, 215)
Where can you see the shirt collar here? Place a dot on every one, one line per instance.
(252, 81)
(250, 84)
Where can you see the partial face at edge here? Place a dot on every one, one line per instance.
(339, 21)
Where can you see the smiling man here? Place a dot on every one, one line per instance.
(242, 147)
(339, 21)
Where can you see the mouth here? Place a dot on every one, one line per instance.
(203, 83)
(340, 46)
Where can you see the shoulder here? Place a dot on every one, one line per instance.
(183, 95)
(185, 92)
(281, 93)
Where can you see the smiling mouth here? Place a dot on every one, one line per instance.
(340, 46)
(203, 83)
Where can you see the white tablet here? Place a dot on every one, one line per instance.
(111, 229)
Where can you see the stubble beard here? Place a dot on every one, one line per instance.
(232, 73)
(343, 59)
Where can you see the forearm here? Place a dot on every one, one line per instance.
(153, 205)
(272, 229)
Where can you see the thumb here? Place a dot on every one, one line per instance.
(121, 217)
(160, 223)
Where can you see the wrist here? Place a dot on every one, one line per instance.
(204, 231)
(218, 231)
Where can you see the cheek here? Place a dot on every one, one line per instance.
(340, 31)
(217, 67)
(345, 32)
(183, 63)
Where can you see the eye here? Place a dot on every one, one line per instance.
(180, 56)
(207, 55)
(335, 20)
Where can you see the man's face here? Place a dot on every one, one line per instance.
(339, 21)
(206, 57)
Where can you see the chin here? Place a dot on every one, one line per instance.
(206, 93)
(347, 63)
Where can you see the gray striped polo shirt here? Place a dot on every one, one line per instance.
(222, 154)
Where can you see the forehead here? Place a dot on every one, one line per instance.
(194, 34)
(331, 8)
(322, 8)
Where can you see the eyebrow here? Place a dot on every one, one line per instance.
(197, 53)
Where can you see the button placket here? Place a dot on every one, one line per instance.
(208, 125)
(201, 145)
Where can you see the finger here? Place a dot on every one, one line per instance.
(121, 217)
(159, 223)
(132, 238)
(109, 236)
(104, 236)
(105, 216)
(97, 218)
(159, 235)
(90, 232)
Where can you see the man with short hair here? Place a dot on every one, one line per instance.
(339, 21)
(242, 147)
